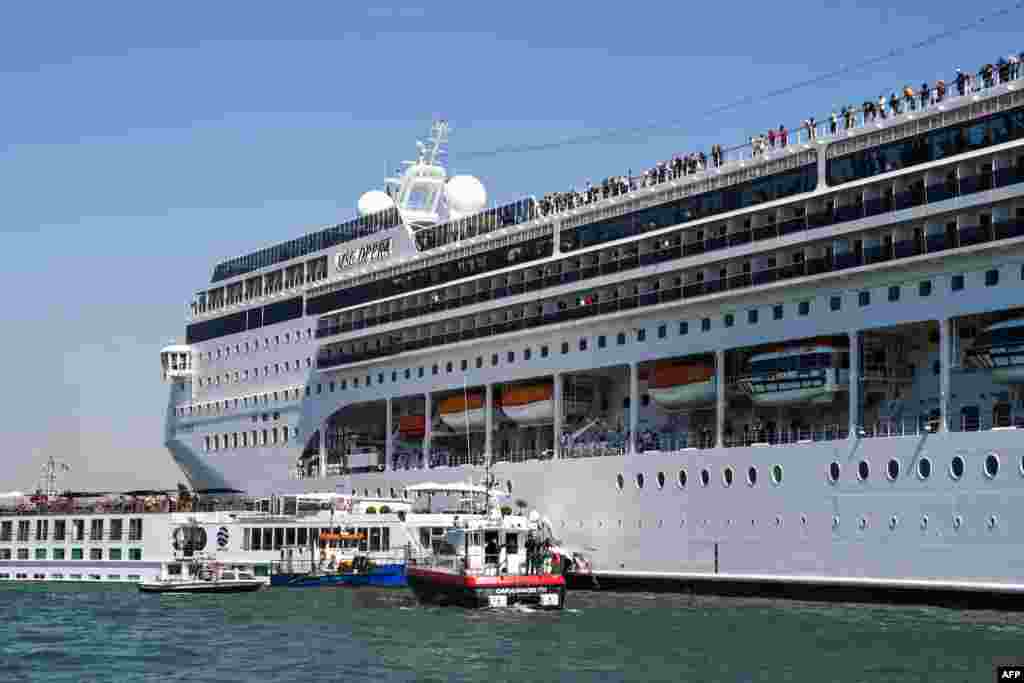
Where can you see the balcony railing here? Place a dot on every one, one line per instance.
(966, 236)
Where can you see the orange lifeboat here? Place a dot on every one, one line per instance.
(529, 404)
(464, 411)
(678, 385)
(412, 425)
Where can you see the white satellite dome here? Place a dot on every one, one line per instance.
(466, 195)
(374, 201)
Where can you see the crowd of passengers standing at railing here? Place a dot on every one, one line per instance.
(845, 118)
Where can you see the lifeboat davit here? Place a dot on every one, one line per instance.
(1001, 348)
(814, 371)
(678, 385)
(412, 426)
(461, 412)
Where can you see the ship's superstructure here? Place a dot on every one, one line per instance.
(801, 363)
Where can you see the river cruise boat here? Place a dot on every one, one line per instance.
(785, 368)
(486, 558)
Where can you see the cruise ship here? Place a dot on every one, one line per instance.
(797, 365)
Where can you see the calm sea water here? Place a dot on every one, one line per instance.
(104, 633)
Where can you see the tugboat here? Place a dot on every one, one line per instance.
(204, 576)
(487, 558)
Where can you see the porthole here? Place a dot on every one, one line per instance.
(640, 480)
(991, 465)
(727, 476)
(893, 469)
(620, 481)
(863, 470)
(681, 480)
(862, 523)
(835, 521)
(924, 468)
(705, 477)
(893, 522)
(956, 468)
(992, 522)
(508, 486)
(776, 474)
(661, 480)
(957, 522)
(924, 522)
(833, 472)
(752, 476)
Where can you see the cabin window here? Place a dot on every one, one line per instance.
(924, 288)
(565, 347)
(804, 308)
(957, 283)
(527, 354)
(583, 343)
(602, 341)
(544, 351)
(864, 298)
(662, 331)
(705, 324)
(894, 293)
(684, 327)
(777, 312)
(752, 316)
(991, 277)
(835, 303)
(729, 319)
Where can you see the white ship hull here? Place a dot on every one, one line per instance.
(683, 396)
(536, 413)
(473, 420)
(783, 530)
(816, 395)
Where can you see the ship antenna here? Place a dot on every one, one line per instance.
(436, 142)
(48, 479)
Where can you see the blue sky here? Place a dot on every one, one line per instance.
(139, 144)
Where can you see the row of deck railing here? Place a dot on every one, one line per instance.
(610, 299)
(801, 135)
(732, 157)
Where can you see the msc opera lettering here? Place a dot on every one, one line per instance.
(366, 254)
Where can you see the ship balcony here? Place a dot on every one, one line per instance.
(176, 362)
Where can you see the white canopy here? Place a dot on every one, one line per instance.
(323, 496)
(434, 488)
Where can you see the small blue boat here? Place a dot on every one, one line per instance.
(341, 563)
(379, 575)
